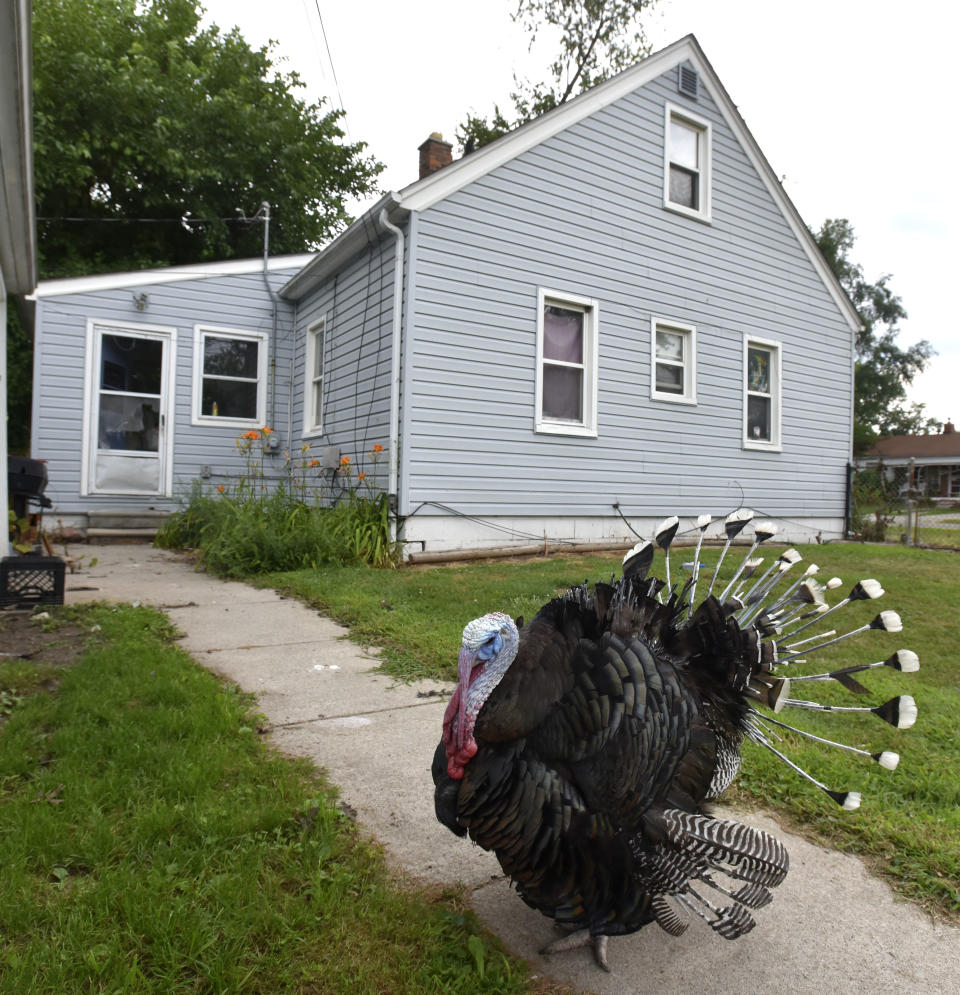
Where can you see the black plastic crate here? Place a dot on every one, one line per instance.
(26, 581)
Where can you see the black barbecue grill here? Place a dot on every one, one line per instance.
(26, 481)
(29, 580)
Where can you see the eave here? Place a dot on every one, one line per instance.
(167, 274)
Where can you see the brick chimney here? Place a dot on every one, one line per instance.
(948, 428)
(435, 153)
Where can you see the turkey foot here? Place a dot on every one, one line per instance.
(581, 938)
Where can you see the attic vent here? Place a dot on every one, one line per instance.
(689, 82)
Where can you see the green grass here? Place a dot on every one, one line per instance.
(909, 824)
(151, 842)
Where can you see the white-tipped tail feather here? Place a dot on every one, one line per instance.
(888, 621)
(904, 660)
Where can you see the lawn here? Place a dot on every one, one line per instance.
(151, 842)
(909, 824)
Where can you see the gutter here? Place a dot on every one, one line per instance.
(346, 245)
(397, 315)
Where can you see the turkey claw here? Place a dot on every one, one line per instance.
(581, 938)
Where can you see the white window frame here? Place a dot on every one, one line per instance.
(704, 166)
(587, 426)
(218, 331)
(776, 376)
(689, 362)
(313, 420)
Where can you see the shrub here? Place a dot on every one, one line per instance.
(258, 529)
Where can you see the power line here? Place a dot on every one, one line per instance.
(329, 56)
(185, 220)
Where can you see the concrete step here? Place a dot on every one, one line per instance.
(111, 519)
(121, 535)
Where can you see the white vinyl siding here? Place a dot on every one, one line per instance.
(566, 395)
(687, 160)
(229, 377)
(761, 396)
(673, 362)
(313, 386)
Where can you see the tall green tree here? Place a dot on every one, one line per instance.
(595, 39)
(147, 126)
(883, 369)
(153, 137)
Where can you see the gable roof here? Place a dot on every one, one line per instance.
(425, 193)
(166, 274)
(946, 445)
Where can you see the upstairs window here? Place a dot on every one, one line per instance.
(229, 376)
(313, 397)
(566, 365)
(687, 164)
(673, 362)
(761, 408)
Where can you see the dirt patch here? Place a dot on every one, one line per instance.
(47, 642)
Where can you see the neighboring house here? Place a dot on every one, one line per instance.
(614, 305)
(18, 246)
(935, 460)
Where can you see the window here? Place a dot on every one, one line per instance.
(313, 396)
(761, 416)
(229, 376)
(566, 365)
(687, 164)
(673, 362)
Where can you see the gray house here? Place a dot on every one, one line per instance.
(615, 306)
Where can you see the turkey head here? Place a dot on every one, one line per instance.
(488, 648)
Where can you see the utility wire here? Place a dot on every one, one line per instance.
(185, 220)
(326, 43)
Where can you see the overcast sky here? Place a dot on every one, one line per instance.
(847, 99)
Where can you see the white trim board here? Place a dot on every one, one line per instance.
(168, 274)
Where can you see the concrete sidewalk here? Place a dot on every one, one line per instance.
(830, 925)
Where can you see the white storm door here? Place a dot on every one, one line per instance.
(129, 427)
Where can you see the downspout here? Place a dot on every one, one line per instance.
(273, 443)
(394, 441)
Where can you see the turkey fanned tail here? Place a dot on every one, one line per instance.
(699, 846)
(584, 748)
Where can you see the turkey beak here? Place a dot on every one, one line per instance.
(465, 664)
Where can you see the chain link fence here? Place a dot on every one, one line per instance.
(916, 505)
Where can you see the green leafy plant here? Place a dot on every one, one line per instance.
(308, 517)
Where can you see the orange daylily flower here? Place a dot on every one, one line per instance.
(220, 488)
(360, 476)
(314, 462)
(251, 435)
(345, 461)
(377, 448)
(267, 431)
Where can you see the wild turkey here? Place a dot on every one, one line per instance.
(584, 748)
